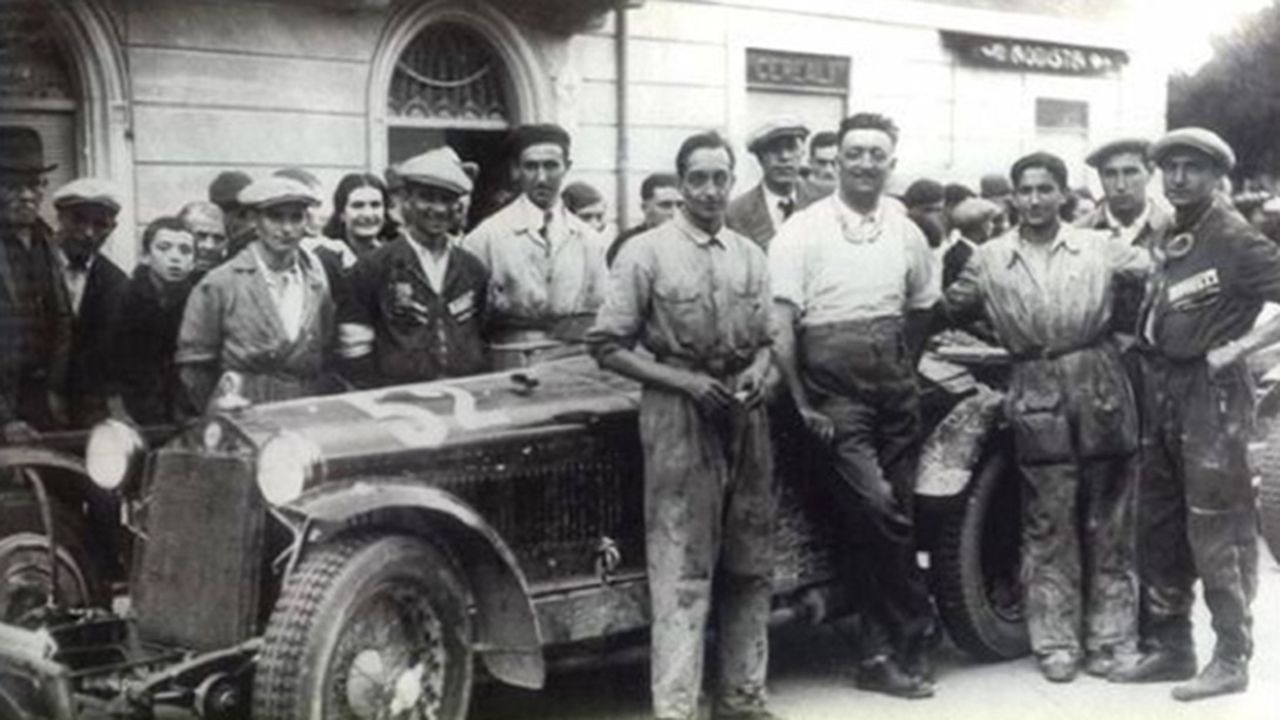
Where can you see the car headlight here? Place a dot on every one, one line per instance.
(286, 464)
(114, 453)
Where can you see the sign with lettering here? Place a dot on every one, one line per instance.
(1035, 56)
(778, 70)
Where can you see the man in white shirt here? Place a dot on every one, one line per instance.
(546, 265)
(852, 287)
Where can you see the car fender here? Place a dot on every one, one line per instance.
(952, 450)
(509, 638)
(20, 456)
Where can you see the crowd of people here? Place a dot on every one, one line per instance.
(813, 293)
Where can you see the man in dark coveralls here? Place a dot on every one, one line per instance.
(696, 295)
(1214, 272)
(35, 313)
(412, 309)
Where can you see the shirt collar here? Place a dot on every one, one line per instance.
(1114, 223)
(65, 263)
(699, 236)
(293, 271)
(850, 214)
(774, 198)
(530, 217)
(1065, 239)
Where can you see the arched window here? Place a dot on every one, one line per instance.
(451, 86)
(38, 85)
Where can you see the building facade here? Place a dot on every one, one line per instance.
(161, 95)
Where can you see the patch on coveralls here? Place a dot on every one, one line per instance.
(1195, 290)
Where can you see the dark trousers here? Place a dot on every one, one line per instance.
(1196, 503)
(860, 375)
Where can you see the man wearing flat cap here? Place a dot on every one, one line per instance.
(1124, 169)
(1046, 289)
(224, 192)
(1195, 330)
(546, 266)
(35, 314)
(86, 214)
(413, 309)
(779, 148)
(260, 327)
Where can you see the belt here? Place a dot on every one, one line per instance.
(718, 367)
(1055, 353)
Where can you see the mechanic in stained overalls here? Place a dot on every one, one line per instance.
(1214, 272)
(1048, 290)
(696, 295)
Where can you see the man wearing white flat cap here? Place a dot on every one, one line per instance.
(261, 325)
(778, 145)
(413, 309)
(1195, 329)
(86, 216)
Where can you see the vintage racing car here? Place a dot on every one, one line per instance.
(374, 554)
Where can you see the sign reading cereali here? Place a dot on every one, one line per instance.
(771, 69)
(1033, 55)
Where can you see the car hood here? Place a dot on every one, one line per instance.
(445, 413)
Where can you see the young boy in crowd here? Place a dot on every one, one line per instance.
(147, 386)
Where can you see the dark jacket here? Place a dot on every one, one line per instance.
(748, 214)
(88, 382)
(142, 367)
(35, 324)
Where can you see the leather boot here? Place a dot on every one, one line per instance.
(1163, 664)
(1222, 676)
(884, 676)
(1059, 666)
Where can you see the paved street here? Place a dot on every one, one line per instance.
(809, 683)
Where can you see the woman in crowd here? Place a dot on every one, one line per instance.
(360, 224)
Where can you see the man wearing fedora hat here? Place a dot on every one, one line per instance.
(1195, 329)
(778, 145)
(87, 209)
(35, 314)
(261, 325)
(413, 309)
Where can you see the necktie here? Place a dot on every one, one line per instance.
(544, 232)
(787, 206)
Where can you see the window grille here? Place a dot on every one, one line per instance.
(450, 75)
(32, 66)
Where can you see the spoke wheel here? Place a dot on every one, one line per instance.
(368, 629)
(26, 576)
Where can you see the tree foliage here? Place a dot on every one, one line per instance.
(1237, 93)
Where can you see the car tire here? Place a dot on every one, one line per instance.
(25, 572)
(365, 626)
(1267, 465)
(975, 565)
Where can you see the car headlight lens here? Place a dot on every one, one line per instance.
(287, 462)
(114, 453)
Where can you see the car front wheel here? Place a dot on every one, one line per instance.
(976, 563)
(368, 628)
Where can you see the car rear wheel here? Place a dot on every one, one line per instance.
(26, 572)
(368, 628)
(1267, 464)
(976, 563)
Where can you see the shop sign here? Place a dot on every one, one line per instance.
(1035, 56)
(779, 70)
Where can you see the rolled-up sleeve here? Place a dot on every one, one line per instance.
(627, 294)
(200, 337)
(922, 291)
(786, 265)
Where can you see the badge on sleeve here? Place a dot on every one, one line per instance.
(463, 306)
(1195, 290)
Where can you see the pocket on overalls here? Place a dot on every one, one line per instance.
(1038, 417)
(680, 310)
(1108, 424)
